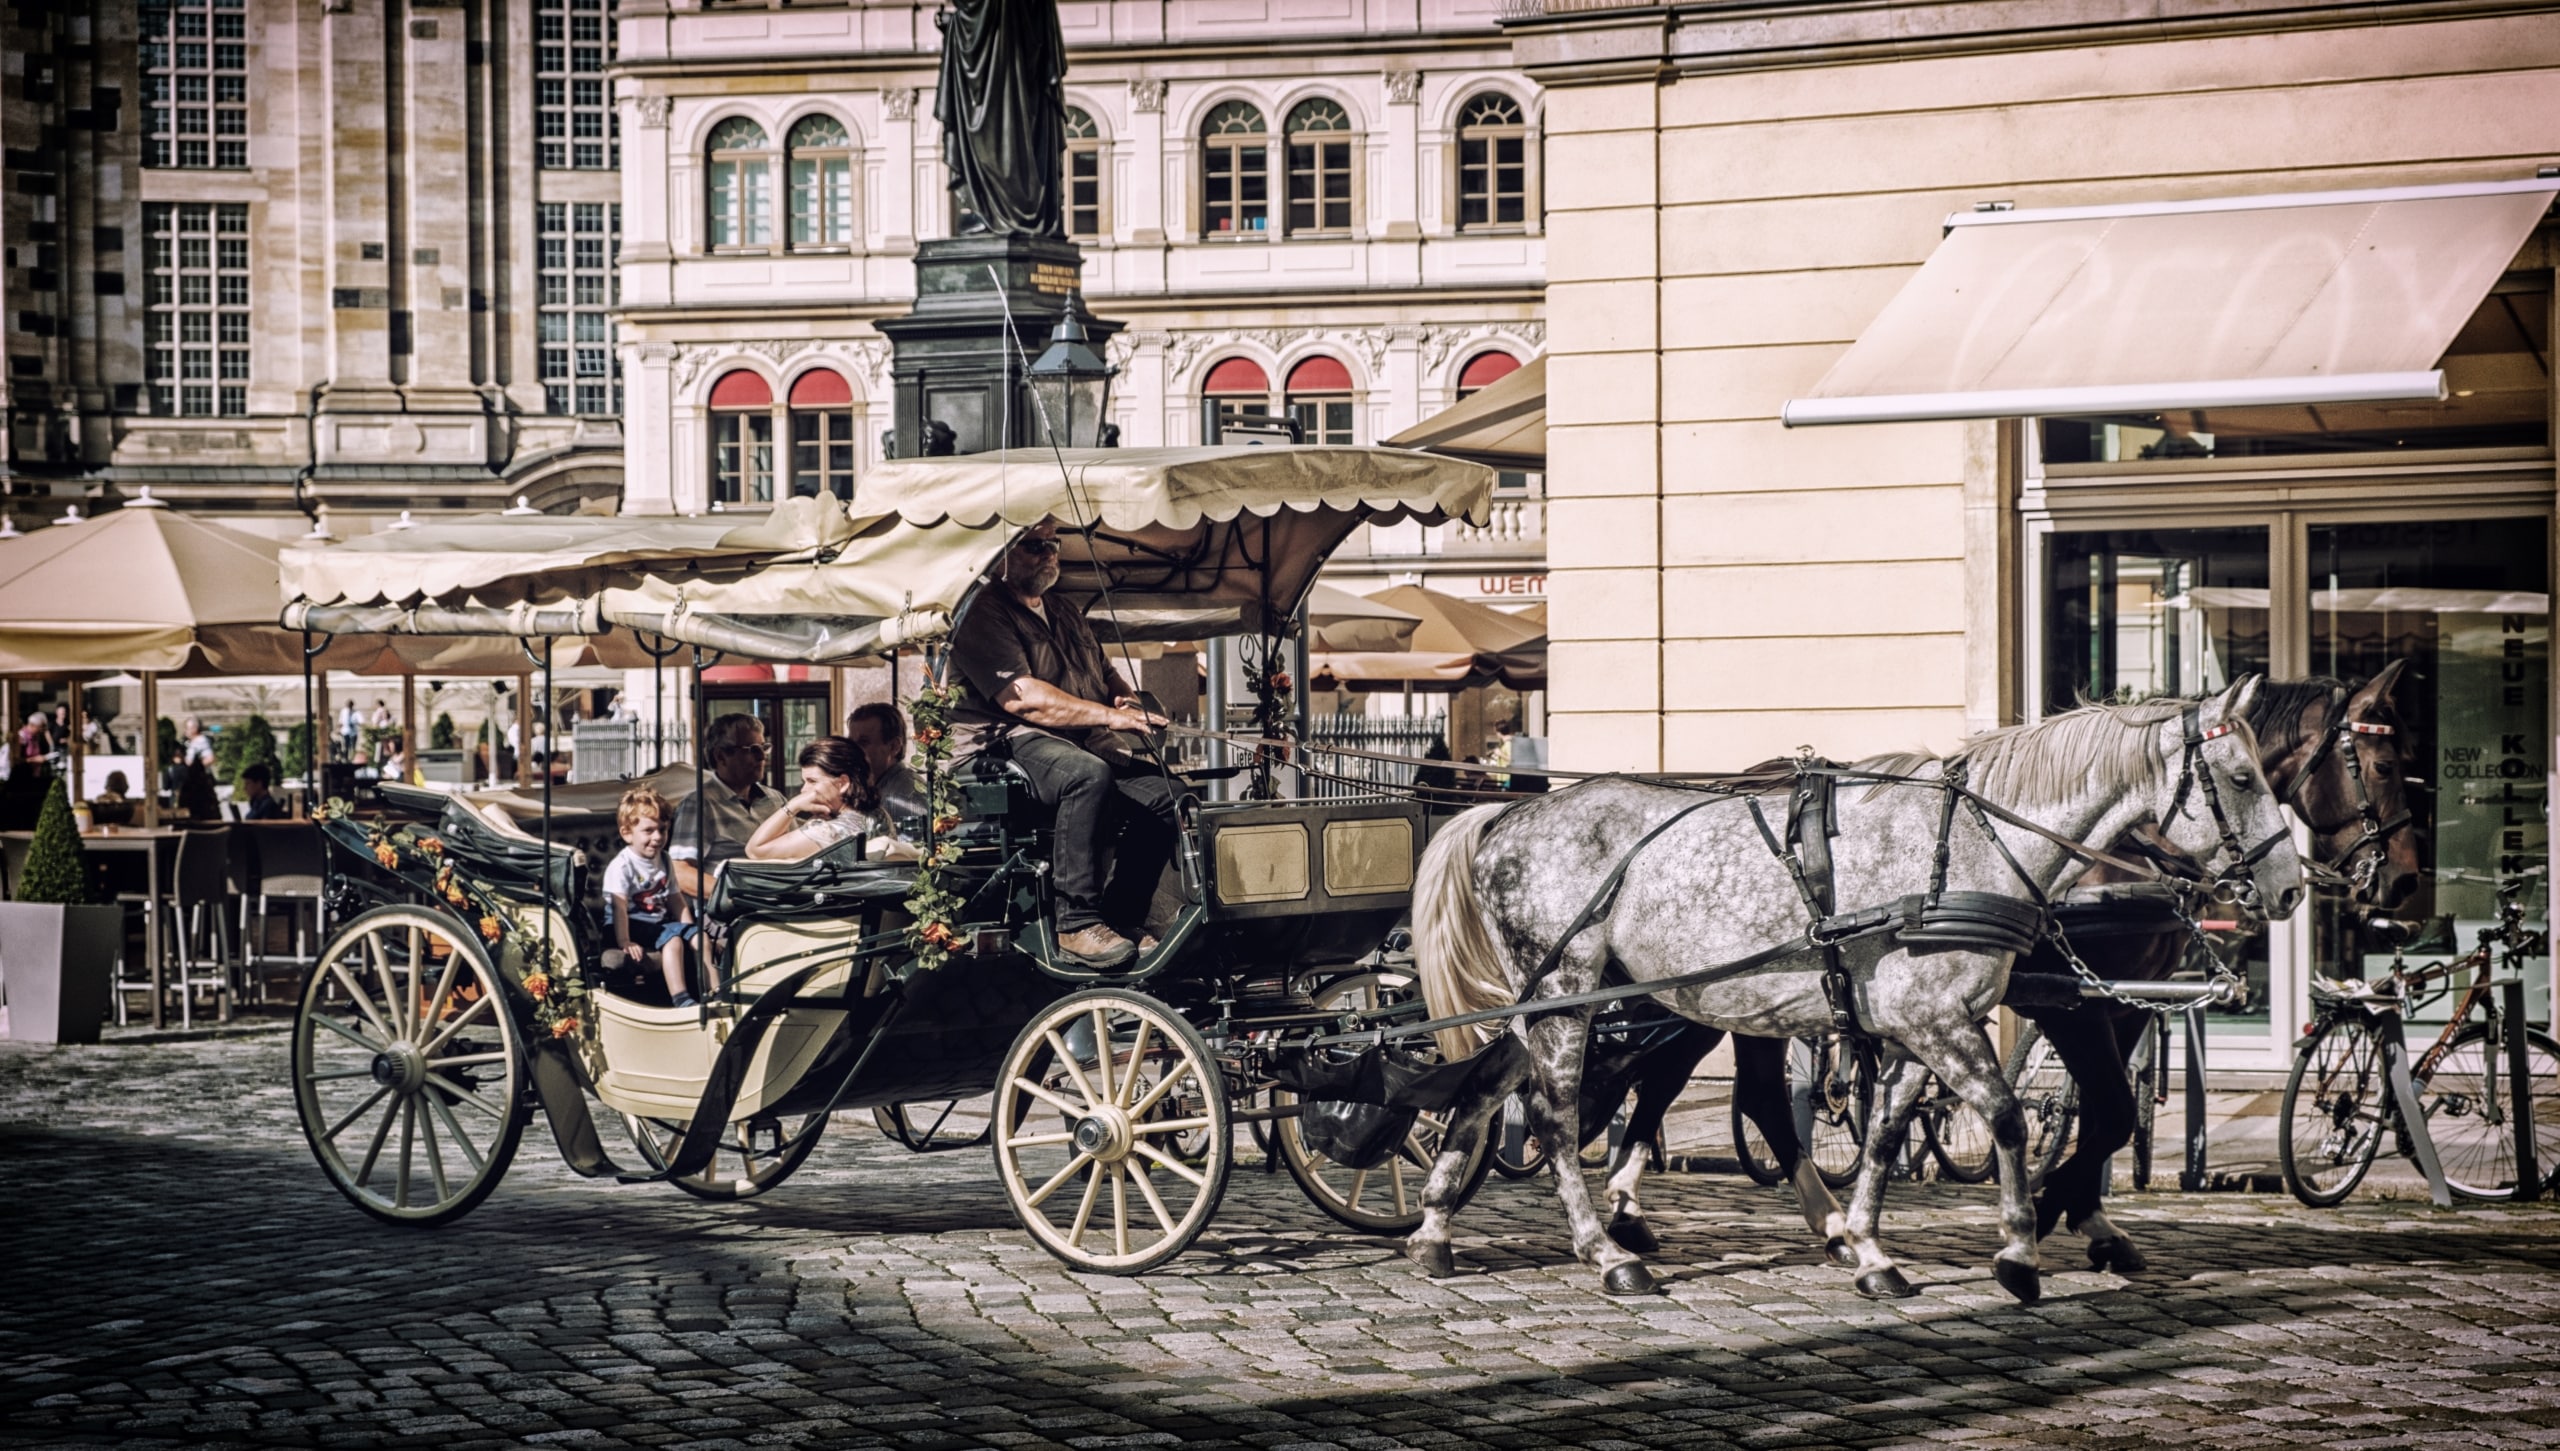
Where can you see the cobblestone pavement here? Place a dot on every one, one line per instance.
(174, 1271)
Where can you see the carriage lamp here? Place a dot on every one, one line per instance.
(1071, 384)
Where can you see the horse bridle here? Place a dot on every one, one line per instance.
(2363, 860)
(2233, 883)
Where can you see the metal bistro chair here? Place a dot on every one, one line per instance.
(198, 890)
(123, 879)
(288, 862)
(13, 865)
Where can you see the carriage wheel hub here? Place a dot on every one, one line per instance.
(400, 1067)
(1104, 1133)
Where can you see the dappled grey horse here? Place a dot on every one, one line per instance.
(1702, 890)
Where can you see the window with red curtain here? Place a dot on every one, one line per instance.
(1484, 370)
(1319, 398)
(741, 439)
(1237, 386)
(822, 434)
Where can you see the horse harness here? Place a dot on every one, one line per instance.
(2233, 883)
(2373, 829)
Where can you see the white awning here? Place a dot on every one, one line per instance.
(2317, 297)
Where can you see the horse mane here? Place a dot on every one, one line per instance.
(2109, 746)
(2276, 716)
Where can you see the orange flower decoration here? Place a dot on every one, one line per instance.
(564, 1027)
(387, 854)
(942, 824)
(489, 928)
(538, 985)
(940, 934)
(431, 845)
(928, 735)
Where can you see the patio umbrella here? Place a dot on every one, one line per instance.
(1458, 643)
(1346, 621)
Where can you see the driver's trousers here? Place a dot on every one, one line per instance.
(1127, 814)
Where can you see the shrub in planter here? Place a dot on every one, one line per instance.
(251, 742)
(57, 953)
(441, 736)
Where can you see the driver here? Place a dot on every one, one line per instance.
(1036, 679)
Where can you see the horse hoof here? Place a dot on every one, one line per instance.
(1435, 1259)
(2117, 1254)
(1630, 1279)
(1885, 1284)
(1836, 1249)
(1634, 1235)
(2023, 1281)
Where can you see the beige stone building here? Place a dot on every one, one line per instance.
(270, 254)
(1776, 209)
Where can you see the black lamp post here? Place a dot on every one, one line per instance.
(1070, 386)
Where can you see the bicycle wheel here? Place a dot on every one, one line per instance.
(1758, 1159)
(1958, 1137)
(2471, 1110)
(2049, 1098)
(2147, 1071)
(1533, 1154)
(1841, 1084)
(2336, 1104)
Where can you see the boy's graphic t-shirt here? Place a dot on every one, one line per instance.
(631, 875)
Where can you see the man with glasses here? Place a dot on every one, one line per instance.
(1037, 681)
(733, 747)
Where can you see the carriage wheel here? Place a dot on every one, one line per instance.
(1388, 1198)
(408, 1072)
(1127, 1164)
(754, 1154)
(925, 1128)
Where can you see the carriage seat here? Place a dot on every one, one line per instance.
(836, 883)
(488, 847)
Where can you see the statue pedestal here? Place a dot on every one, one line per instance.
(954, 359)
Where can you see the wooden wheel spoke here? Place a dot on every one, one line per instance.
(1137, 1055)
(1084, 1209)
(341, 1073)
(1198, 1180)
(479, 1006)
(1119, 1211)
(1359, 1182)
(364, 1003)
(1102, 1052)
(1395, 1178)
(1041, 1195)
(444, 988)
(453, 1130)
(408, 1148)
(465, 1059)
(350, 1034)
(1147, 1191)
(381, 1136)
(419, 1018)
(1164, 1085)
(381, 963)
(1043, 1141)
(1067, 1061)
(330, 1134)
(435, 1156)
(1074, 1110)
(1169, 1126)
(466, 1095)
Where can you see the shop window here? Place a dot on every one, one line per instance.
(822, 438)
(821, 183)
(1235, 172)
(2497, 375)
(739, 177)
(1320, 189)
(1319, 401)
(1084, 213)
(741, 439)
(2466, 605)
(1236, 388)
(1493, 164)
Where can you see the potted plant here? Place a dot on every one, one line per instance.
(57, 952)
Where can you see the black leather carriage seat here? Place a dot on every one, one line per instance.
(836, 883)
(511, 863)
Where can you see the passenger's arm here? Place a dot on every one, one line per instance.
(622, 924)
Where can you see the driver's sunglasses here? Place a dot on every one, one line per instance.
(1034, 544)
(759, 750)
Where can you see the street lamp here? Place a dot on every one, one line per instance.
(1071, 385)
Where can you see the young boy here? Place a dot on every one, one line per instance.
(636, 887)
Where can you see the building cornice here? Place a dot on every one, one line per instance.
(1132, 305)
(920, 67)
(1582, 42)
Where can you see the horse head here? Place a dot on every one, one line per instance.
(2346, 780)
(2222, 809)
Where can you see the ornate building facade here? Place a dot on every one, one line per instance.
(1332, 212)
(270, 257)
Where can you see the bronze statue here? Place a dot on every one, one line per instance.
(1003, 111)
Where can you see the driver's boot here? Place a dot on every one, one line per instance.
(1096, 946)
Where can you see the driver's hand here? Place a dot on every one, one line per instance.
(1141, 721)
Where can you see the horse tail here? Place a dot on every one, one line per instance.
(1460, 964)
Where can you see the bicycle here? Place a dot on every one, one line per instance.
(2050, 1097)
(2338, 1104)
(1840, 1085)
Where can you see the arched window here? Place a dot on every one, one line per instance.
(1320, 190)
(821, 183)
(1085, 218)
(1235, 172)
(740, 174)
(1320, 400)
(741, 439)
(822, 434)
(1236, 386)
(1484, 370)
(1493, 163)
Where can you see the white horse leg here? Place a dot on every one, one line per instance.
(1823, 1214)
(1897, 1097)
(1626, 1216)
(1469, 1119)
(1971, 1070)
(1554, 1101)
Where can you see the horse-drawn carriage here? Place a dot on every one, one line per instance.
(476, 988)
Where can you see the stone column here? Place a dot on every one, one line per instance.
(648, 393)
(1401, 380)
(1139, 393)
(1142, 218)
(900, 194)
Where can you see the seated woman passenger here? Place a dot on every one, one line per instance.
(835, 802)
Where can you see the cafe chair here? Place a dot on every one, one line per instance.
(290, 858)
(198, 928)
(124, 879)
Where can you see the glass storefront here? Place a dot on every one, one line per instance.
(2466, 604)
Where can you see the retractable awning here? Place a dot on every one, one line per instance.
(1503, 426)
(2317, 297)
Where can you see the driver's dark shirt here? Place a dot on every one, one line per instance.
(1001, 640)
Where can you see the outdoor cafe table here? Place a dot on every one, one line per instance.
(158, 846)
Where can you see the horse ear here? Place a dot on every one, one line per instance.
(2242, 697)
(2379, 689)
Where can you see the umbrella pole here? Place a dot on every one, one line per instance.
(408, 727)
(150, 749)
(524, 730)
(310, 730)
(76, 755)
